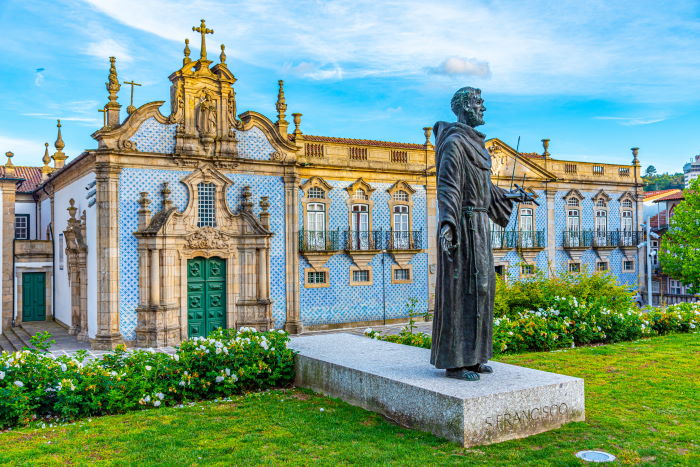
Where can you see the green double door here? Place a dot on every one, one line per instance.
(33, 296)
(206, 295)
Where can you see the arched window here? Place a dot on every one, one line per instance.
(627, 203)
(316, 192)
(572, 202)
(400, 195)
(600, 203)
(360, 194)
(206, 211)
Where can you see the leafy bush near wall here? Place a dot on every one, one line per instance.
(569, 322)
(34, 385)
(598, 290)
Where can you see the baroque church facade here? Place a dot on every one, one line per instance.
(178, 224)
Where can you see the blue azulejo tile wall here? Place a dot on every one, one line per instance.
(252, 144)
(132, 181)
(153, 136)
(345, 303)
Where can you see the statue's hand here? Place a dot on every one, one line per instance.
(447, 239)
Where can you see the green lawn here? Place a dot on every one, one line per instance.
(642, 404)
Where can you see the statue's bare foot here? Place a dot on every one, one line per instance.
(480, 368)
(462, 373)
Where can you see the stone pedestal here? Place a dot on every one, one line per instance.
(399, 382)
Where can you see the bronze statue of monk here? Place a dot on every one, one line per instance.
(466, 283)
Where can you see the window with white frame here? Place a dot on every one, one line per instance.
(573, 226)
(360, 194)
(527, 228)
(206, 212)
(316, 277)
(316, 226)
(574, 267)
(573, 202)
(628, 265)
(360, 275)
(627, 227)
(601, 266)
(497, 235)
(402, 275)
(22, 226)
(676, 288)
(400, 195)
(626, 203)
(527, 269)
(601, 226)
(601, 203)
(316, 193)
(401, 234)
(360, 226)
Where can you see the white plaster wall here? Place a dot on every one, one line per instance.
(28, 207)
(91, 232)
(45, 218)
(75, 190)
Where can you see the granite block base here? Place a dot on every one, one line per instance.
(399, 382)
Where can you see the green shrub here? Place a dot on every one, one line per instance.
(35, 385)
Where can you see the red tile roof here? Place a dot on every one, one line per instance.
(649, 194)
(670, 197)
(359, 142)
(31, 176)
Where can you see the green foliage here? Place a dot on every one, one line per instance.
(42, 341)
(654, 181)
(36, 385)
(651, 170)
(407, 335)
(541, 314)
(679, 254)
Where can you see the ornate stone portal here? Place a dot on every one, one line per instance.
(76, 253)
(207, 228)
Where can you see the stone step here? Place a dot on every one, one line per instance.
(13, 338)
(6, 345)
(24, 336)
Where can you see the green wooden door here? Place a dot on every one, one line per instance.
(206, 295)
(34, 296)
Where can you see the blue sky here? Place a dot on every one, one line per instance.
(596, 77)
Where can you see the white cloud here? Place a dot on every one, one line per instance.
(108, 48)
(456, 66)
(83, 112)
(633, 121)
(626, 49)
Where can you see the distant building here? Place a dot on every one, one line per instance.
(691, 170)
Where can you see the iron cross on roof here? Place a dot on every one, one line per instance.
(202, 29)
(131, 107)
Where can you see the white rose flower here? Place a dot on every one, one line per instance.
(219, 379)
(2, 375)
(19, 384)
(156, 403)
(148, 368)
(160, 396)
(228, 371)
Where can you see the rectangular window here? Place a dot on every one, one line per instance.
(361, 275)
(574, 267)
(527, 269)
(601, 266)
(628, 265)
(22, 226)
(205, 209)
(402, 275)
(316, 277)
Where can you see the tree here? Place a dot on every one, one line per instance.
(679, 253)
(651, 170)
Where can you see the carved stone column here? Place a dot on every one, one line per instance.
(7, 190)
(107, 177)
(293, 323)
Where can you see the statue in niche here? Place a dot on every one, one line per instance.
(178, 104)
(466, 283)
(206, 117)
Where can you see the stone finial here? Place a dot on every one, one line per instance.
(264, 214)
(72, 210)
(222, 55)
(144, 214)
(59, 157)
(297, 124)
(427, 131)
(46, 169)
(113, 88)
(545, 145)
(187, 58)
(281, 105)
(635, 153)
(9, 166)
(247, 204)
(165, 193)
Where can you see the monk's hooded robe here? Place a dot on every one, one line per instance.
(466, 283)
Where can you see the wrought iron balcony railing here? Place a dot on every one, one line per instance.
(362, 240)
(404, 240)
(323, 240)
(601, 238)
(509, 239)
